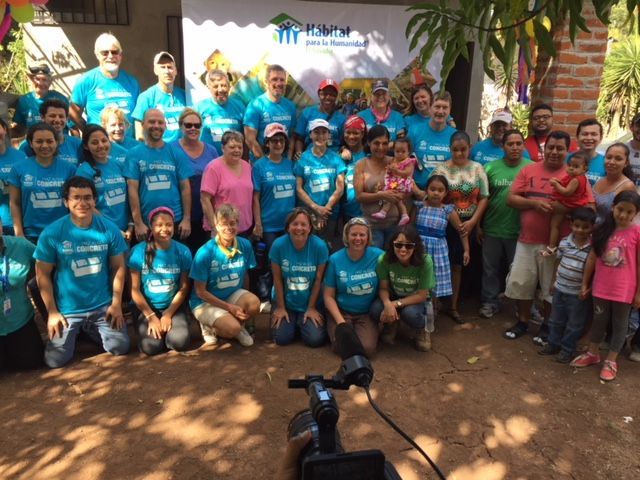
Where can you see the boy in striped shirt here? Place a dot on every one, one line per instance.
(568, 308)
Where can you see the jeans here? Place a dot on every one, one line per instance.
(413, 315)
(497, 257)
(616, 314)
(381, 236)
(312, 335)
(177, 338)
(59, 351)
(568, 318)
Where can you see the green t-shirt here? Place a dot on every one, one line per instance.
(405, 281)
(18, 255)
(500, 220)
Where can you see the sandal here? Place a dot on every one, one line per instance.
(455, 316)
(548, 251)
(609, 371)
(516, 331)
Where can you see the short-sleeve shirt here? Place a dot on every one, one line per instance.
(119, 153)
(170, 104)
(336, 125)
(113, 201)
(218, 119)
(28, 107)
(406, 280)
(500, 220)
(159, 173)
(17, 259)
(467, 185)
(223, 275)
(94, 92)
(535, 146)
(41, 192)
(355, 282)
(222, 183)
(299, 268)
(319, 175)
(394, 123)
(262, 111)
(486, 151)
(571, 268)
(276, 184)
(8, 159)
(161, 282)
(81, 256)
(69, 151)
(431, 147)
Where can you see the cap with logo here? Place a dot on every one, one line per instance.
(380, 85)
(162, 56)
(328, 83)
(318, 123)
(273, 129)
(501, 116)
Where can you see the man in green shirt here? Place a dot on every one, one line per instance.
(501, 224)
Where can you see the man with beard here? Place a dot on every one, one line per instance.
(157, 178)
(541, 126)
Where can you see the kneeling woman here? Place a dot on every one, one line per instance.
(406, 276)
(220, 300)
(160, 286)
(351, 284)
(298, 261)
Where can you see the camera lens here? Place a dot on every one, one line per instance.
(303, 421)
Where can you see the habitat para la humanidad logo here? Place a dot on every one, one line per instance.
(290, 31)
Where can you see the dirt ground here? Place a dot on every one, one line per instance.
(221, 412)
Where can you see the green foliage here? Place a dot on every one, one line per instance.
(499, 27)
(620, 87)
(13, 63)
(520, 114)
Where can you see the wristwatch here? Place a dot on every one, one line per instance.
(398, 304)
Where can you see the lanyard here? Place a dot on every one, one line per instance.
(4, 274)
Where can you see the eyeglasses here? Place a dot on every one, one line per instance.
(189, 125)
(82, 198)
(105, 53)
(408, 246)
(537, 118)
(277, 140)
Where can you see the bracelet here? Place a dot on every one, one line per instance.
(152, 314)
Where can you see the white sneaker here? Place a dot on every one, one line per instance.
(265, 307)
(209, 335)
(244, 338)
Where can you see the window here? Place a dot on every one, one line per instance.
(99, 12)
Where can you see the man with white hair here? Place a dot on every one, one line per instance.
(107, 85)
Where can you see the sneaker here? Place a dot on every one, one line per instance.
(549, 349)
(404, 219)
(389, 332)
(488, 310)
(586, 359)
(265, 307)
(381, 215)
(609, 371)
(209, 335)
(635, 355)
(564, 357)
(422, 340)
(244, 338)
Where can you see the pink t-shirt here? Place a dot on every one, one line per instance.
(533, 182)
(219, 181)
(616, 273)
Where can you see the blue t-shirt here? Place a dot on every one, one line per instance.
(415, 119)
(350, 205)
(395, 123)
(262, 111)
(118, 153)
(276, 184)
(596, 169)
(171, 104)
(159, 173)
(128, 143)
(336, 125)
(299, 269)
(69, 151)
(319, 175)
(28, 107)
(41, 192)
(222, 275)
(486, 152)
(217, 119)
(162, 282)
(431, 147)
(111, 186)
(356, 283)
(82, 279)
(7, 160)
(94, 92)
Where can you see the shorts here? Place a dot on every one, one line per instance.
(528, 270)
(207, 314)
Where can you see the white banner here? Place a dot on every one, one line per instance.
(350, 43)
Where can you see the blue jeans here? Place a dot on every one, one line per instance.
(177, 338)
(59, 351)
(568, 317)
(381, 236)
(312, 335)
(497, 257)
(412, 315)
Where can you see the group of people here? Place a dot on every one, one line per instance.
(219, 211)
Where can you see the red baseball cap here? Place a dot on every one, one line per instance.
(327, 82)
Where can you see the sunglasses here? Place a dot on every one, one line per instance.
(408, 246)
(105, 53)
(39, 70)
(189, 125)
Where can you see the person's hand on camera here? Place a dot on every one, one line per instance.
(289, 466)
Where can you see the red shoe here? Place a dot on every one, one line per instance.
(609, 371)
(586, 359)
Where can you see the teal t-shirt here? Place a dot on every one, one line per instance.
(355, 282)
(222, 275)
(395, 123)
(17, 258)
(69, 151)
(8, 159)
(596, 169)
(350, 205)
(119, 153)
(486, 151)
(431, 148)
(171, 104)
(299, 268)
(81, 256)
(28, 107)
(262, 111)
(161, 283)
(217, 119)
(406, 280)
(319, 175)
(336, 125)
(277, 187)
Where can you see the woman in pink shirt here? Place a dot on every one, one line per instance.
(228, 180)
